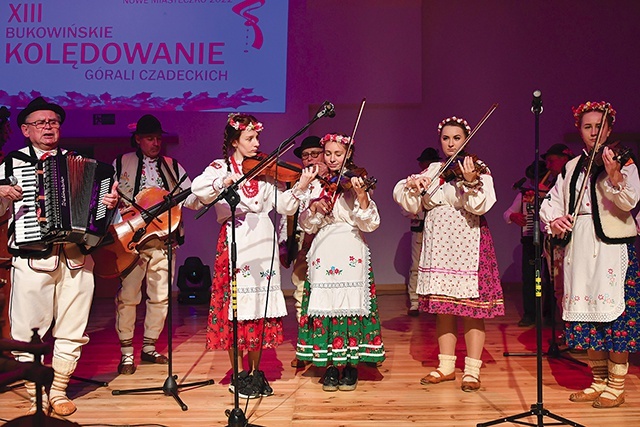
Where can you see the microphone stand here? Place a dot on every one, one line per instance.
(236, 416)
(537, 409)
(170, 386)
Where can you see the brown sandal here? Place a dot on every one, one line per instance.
(604, 402)
(470, 385)
(432, 379)
(581, 396)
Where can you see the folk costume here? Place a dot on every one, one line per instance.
(258, 271)
(467, 284)
(600, 262)
(339, 324)
(136, 172)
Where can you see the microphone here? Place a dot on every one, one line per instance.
(519, 183)
(536, 104)
(10, 180)
(327, 110)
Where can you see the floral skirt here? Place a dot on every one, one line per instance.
(619, 335)
(340, 340)
(490, 302)
(252, 334)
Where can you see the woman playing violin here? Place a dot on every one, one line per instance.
(458, 273)
(600, 264)
(258, 278)
(339, 324)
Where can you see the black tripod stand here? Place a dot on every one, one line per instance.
(236, 416)
(537, 409)
(554, 351)
(170, 386)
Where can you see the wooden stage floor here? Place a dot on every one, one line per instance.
(389, 394)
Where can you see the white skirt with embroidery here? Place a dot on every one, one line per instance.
(339, 264)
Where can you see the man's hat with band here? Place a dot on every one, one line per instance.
(308, 142)
(39, 104)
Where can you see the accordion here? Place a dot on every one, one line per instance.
(61, 201)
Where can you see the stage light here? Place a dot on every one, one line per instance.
(194, 282)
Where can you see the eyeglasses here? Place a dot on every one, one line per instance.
(40, 124)
(312, 154)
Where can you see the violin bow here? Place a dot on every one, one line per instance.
(344, 160)
(450, 160)
(592, 157)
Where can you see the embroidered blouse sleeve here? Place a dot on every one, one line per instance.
(409, 200)
(479, 198)
(366, 220)
(626, 195)
(208, 185)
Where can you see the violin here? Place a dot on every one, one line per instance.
(279, 170)
(453, 171)
(620, 153)
(332, 184)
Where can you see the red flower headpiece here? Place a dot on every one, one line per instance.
(592, 106)
(334, 137)
(257, 126)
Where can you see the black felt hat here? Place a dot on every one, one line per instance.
(148, 124)
(308, 142)
(429, 155)
(39, 104)
(558, 150)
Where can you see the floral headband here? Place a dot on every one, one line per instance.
(592, 106)
(334, 137)
(257, 126)
(451, 120)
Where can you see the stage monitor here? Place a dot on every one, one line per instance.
(175, 55)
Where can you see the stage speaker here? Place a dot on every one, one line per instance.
(194, 282)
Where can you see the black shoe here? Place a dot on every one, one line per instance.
(349, 380)
(413, 312)
(126, 365)
(154, 357)
(261, 384)
(330, 381)
(526, 321)
(246, 389)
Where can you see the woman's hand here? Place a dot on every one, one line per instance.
(321, 205)
(230, 179)
(468, 168)
(308, 174)
(418, 182)
(612, 167)
(561, 225)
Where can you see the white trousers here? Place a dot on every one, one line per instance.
(153, 266)
(62, 295)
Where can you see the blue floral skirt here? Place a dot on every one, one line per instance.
(619, 335)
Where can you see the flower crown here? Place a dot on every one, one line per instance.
(334, 137)
(592, 106)
(449, 120)
(257, 126)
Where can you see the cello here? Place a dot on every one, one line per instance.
(144, 220)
